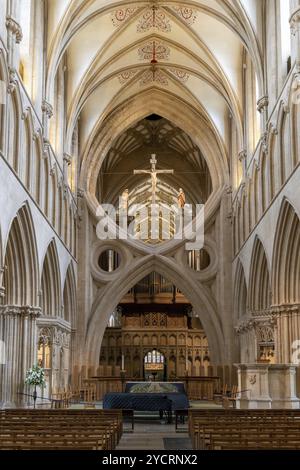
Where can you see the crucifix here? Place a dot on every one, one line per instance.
(153, 172)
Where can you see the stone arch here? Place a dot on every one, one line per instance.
(283, 143)
(69, 296)
(54, 197)
(139, 107)
(14, 107)
(44, 185)
(51, 283)
(21, 261)
(295, 122)
(26, 165)
(37, 168)
(4, 79)
(286, 257)
(240, 292)
(264, 193)
(259, 284)
(107, 301)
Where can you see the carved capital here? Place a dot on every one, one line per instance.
(295, 22)
(13, 80)
(14, 28)
(242, 155)
(296, 82)
(35, 136)
(20, 311)
(265, 143)
(80, 193)
(46, 144)
(286, 109)
(273, 129)
(262, 103)
(47, 108)
(52, 171)
(67, 159)
(25, 114)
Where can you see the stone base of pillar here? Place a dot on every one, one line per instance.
(264, 386)
(282, 384)
(253, 386)
(257, 404)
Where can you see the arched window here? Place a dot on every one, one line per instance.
(154, 357)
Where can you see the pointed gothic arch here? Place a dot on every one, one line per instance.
(240, 292)
(51, 283)
(69, 296)
(21, 261)
(259, 283)
(286, 257)
(106, 302)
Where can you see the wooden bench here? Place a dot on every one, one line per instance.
(60, 429)
(244, 429)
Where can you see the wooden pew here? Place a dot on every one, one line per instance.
(60, 429)
(245, 429)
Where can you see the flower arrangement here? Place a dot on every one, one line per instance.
(35, 376)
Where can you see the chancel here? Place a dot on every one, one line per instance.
(122, 342)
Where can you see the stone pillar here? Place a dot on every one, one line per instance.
(253, 386)
(287, 332)
(18, 326)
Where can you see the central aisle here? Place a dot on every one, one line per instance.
(151, 435)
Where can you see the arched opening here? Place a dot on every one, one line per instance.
(51, 284)
(154, 365)
(20, 307)
(160, 336)
(174, 149)
(260, 300)
(286, 263)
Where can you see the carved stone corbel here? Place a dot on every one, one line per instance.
(265, 143)
(67, 159)
(242, 155)
(47, 109)
(15, 28)
(295, 22)
(262, 103)
(13, 80)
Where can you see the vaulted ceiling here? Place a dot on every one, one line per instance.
(191, 51)
(174, 149)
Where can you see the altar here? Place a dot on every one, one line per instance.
(149, 396)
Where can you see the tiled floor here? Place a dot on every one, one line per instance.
(149, 435)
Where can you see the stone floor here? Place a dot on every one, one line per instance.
(150, 435)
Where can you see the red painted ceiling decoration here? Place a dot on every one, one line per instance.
(122, 15)
(179, 74)
(188, 15)
(155, 19)
(154, 50)
(154, 75)
(127, 75)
